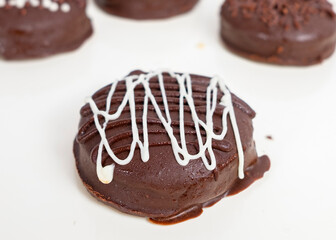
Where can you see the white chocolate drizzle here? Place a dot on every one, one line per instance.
(51, 5)
(105, 174)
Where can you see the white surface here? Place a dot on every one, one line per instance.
(43, 198)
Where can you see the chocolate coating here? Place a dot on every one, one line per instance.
(287, 32)
(162, 189)
(34, 32)
(146, 9)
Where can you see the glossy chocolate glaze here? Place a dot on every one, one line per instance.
(162, 189)
(146, 9)
(252, 173)
(287, 32)
(34, 32)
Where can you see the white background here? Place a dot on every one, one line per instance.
(42, 196)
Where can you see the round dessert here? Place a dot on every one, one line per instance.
(39, 28)
(286, 32)
(146, 9)
(164, 145)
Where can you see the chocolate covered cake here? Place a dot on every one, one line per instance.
(287, 32)
(39, 28)
(164, 145)
(146, 9)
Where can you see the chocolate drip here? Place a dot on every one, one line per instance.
(252, 174)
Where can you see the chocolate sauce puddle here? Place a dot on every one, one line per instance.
(252, 174)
